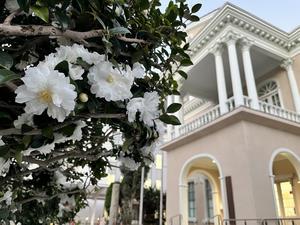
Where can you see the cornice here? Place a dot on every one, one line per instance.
(232, 16)
(192, 105)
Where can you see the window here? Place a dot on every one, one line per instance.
(209, 200)
(269, 93)
(191, 200)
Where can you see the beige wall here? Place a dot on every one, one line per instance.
(243, 150)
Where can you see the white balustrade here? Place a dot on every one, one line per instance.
(215, 113)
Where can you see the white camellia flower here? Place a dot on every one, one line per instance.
(147, 106)
(4, 163)
(7, 197)
(129, 163)
(109, 82)
(1, 142)
(4, 166)
(24, 119)
(66, 204)
(49, 89)
(67, 184)
(138, 70)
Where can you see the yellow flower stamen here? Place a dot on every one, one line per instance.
(45, 96)
(110, 79)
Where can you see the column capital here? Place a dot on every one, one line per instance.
(287, 63)
(230, 38)
(246, 44)
(217, 49)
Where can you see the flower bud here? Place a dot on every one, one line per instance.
(83, 97)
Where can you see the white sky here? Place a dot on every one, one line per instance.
(282, 14)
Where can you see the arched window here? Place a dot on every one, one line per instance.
(269, 93)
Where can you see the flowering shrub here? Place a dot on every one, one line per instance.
(82, 81)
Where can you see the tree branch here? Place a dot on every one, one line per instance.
(8, 19)
(39, 30)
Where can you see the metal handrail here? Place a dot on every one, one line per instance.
(219, 217)
(245, 221)
(280, 221)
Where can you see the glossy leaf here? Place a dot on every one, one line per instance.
(173, 108)
(7, 75)
(41, 12)
(6, 61)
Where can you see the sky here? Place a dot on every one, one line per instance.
(282, 14)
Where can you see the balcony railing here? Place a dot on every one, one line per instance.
(215, 113)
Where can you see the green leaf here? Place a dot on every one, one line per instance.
(169, 119)
(7, 75)
(186, 62)
(4, 150)
(68, 130)
(119, 30)
(144, 4)
(41, 12)
(127, 143)
(24, 4)
(47, 132)
(194, 18)
(6, 61)
(37, 141)
(183, 74)
(25, 128)
(63, 19)
(196, 8)
(18, 157)
(26, 140)
(63, 67)
(173, 108)
(5, 115)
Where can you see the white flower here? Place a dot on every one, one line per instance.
(7, 197)
(49, 89)
(62, 180)
(138, 70)
(4, 166)
(129, 163)
(66, 204)
(14, 223)
(24, 119)
(1, 142)
(151, 150)
(118, 139)
(45, 149)
(110, 83)
(147, 106)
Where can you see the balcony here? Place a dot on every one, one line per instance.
(215, 113)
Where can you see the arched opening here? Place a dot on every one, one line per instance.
(269, 92)
(201, 191)
(286, 171)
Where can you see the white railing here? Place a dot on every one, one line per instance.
(203, 119)
(278, 111)
(215, 113)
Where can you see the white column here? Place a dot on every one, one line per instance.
(288, 66)
(178, 114)
(230, 40)
(183, 203)
(224, 197)
(249, 75)
(141, 196)
(220, 75)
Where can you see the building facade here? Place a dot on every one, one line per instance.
(236, 154)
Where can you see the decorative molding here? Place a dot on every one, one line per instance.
(217, 49)
(238, 18)
(287, 63)
(193, 105)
